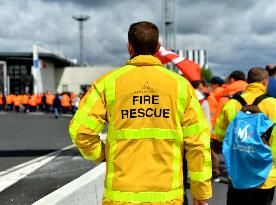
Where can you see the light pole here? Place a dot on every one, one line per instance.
(81, 19)
(169, 24)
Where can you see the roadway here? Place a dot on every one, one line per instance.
(25, 176)
(37, 157)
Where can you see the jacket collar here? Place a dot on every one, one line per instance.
(144, 60)
(255, 88)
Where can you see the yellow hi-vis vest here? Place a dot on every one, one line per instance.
(152, 115)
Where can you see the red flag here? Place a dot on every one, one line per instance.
(189, 69)
(42, 64)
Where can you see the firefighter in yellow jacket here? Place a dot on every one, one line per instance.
(257, 85)
(152, 116)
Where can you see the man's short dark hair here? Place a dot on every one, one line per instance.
(196, 83)
(217, 80)
(237, 75)
(143, 36)
(256, 74)
(271, 69)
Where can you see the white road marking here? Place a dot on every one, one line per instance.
(66, 115)
(16, 173)
(36, 113)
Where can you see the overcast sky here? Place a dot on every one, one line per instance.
(237, 34)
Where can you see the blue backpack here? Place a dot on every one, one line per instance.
(245, 149)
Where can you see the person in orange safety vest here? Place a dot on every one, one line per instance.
(33, 103)
(25, 102)
(236, 84)
(216, 86)
(65, 103)
(1, 102)
(9, 102)
(49, 101)
(39, 101)
(17, 102)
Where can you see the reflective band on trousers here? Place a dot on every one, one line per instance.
(142, 197)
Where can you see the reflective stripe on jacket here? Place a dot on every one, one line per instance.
(224, 96)
(152, 115)
(267, 106)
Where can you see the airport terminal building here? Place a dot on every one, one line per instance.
(21, 73)
(19, 78)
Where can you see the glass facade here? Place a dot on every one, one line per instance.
(1, 78)
(19, 70)
(20, 79)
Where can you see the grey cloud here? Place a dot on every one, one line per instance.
(204, 16)
(262, 19)
(228, 4)
(84, 3)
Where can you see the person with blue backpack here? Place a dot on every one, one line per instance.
(246, 128)
(271, 69)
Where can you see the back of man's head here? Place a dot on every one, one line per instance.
(143, 37)
(271, 69)
(237, 75)
(196, 83)
(256, 75)
(217, 80)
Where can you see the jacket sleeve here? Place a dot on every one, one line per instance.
(88, 122)
(196, 132)
(226, 115)
(220, 126)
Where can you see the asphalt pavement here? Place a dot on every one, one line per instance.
(28, 136)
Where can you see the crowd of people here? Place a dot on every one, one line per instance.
(220, 112)
(217, 94)
(47, 102)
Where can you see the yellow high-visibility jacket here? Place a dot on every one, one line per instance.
(152, 115)
(267, 106)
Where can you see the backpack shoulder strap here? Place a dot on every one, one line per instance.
(260, 98)
(240, 99)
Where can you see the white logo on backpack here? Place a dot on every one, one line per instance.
(243, 130)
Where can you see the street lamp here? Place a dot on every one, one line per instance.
(81, 19)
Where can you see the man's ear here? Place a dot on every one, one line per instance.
(130, 49)
(265, 82)
(158, 46)
(231, 80)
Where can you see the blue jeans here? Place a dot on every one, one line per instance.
(56, 112)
